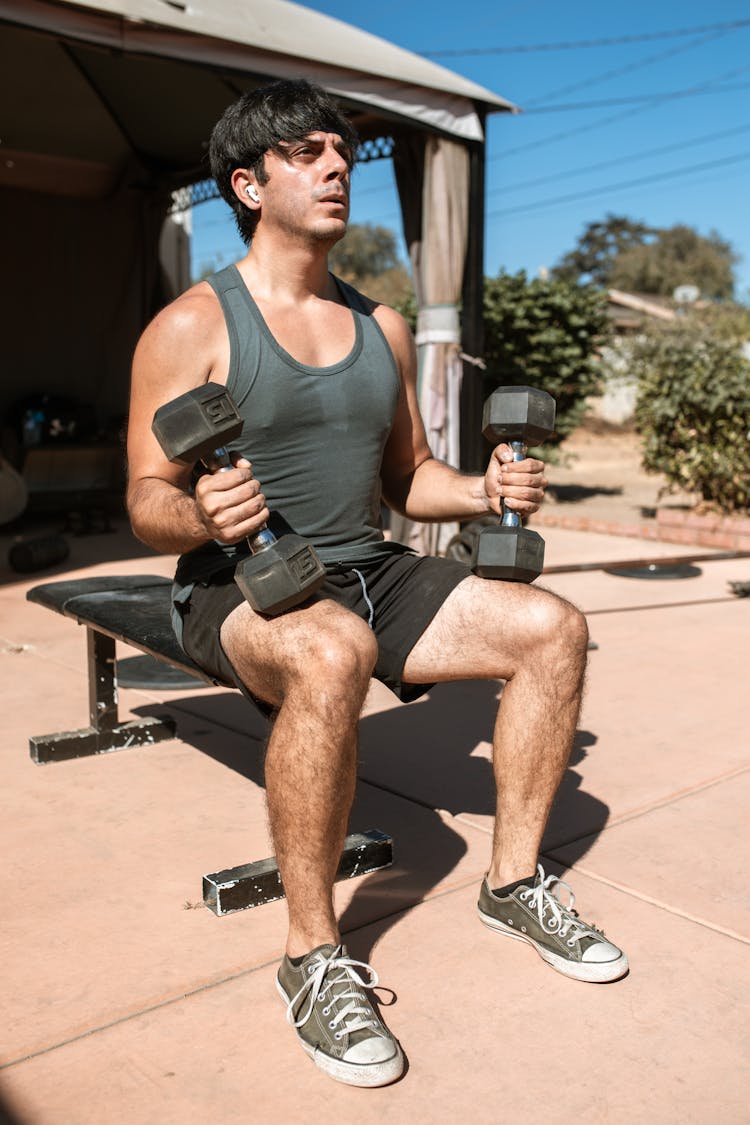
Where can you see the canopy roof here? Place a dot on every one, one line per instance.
(89, 85)
(108, 106)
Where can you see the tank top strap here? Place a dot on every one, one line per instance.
(232, 295)
(353, 297)
(227, 283)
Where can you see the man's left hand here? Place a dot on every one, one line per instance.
(519, 485)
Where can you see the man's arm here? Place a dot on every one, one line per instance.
(425, 489)
(183, 348)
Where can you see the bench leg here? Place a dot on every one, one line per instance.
(253, 884)
(106, 732)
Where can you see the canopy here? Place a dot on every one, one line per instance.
(89, 84)
(108, 108)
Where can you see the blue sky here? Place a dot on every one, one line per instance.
(668, 141)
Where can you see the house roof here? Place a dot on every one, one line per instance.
(648, 304)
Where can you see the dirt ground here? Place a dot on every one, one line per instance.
(601, 476)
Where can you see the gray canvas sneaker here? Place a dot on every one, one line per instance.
(535, 914)
(336, 1024)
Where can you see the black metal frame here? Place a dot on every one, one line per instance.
(105, 733)
(252, 884)
(224, 892)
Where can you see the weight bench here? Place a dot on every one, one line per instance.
(135, 609)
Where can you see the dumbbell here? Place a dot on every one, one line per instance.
(519, 416)
(196, 426)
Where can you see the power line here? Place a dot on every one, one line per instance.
(635, 99)
(644, 37)
(600, 123)
(375, 189)
(570, 173)
(619, 71)
(643, 154)
(653, 178)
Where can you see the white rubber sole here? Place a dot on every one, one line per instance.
(594, 972)
(368, 1075)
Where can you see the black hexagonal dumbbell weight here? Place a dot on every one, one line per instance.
(280, 573)
(522, 417)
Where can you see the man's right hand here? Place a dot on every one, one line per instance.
(230, 502)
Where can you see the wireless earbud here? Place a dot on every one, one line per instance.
(253, 193)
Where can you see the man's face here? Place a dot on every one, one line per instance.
(307, 193)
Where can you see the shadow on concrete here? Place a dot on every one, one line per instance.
(8, 1115)
(430, 755)
(570, 493)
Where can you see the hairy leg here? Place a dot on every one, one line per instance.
(537, 643)
(314, 665)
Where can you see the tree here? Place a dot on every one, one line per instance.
(621, 253)
(598, 249)
(678, 256)
(367, 258)
(365, 251)
(545, 334)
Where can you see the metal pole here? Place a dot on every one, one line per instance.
(473, 451)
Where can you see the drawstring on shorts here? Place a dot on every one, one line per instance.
(366, 596)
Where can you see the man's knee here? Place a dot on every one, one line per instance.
(342, 651)
(562, 626)
(322, 650)
(538, 618)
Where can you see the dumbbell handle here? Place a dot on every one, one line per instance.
(509, 518)
(220, 461)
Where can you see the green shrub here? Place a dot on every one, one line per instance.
(693, 410)
(545, 334)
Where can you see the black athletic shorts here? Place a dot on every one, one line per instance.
(397, 597)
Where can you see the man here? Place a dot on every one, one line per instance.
(326, 383)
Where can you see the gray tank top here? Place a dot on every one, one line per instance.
(315, 435)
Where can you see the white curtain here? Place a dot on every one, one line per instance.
(438, 257)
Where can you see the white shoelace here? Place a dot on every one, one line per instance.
(562, 920)
(340, 971)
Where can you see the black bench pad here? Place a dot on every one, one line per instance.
(133, 608)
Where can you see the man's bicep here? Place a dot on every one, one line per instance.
(407, 447)
(166, 364)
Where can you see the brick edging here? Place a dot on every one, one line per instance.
(670, 526)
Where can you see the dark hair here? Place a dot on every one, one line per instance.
(287, 110)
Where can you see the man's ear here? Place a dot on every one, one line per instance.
(245, 188)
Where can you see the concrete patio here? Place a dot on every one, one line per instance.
(127, 1002)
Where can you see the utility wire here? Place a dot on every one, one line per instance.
(644, 37)
(601, 122)
(635, 99)
(570, 173)
(643, 154)
(619, 71)
(684, 171)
